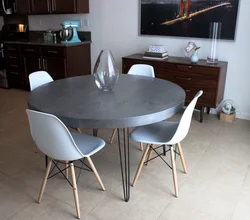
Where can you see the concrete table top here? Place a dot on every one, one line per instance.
(134, 101)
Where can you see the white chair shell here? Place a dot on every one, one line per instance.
(39, 78)
(142, 70)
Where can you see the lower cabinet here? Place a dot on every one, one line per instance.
(56, 67)
(16, 78)
(59, 62)
(31, 64)
(15, 72)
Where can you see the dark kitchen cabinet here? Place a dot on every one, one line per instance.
(40, 6)
(31, 64)
(59, 61)
(14, 66)
(56, 67)
(59, 6)
(70, 6)
(21, 7)
(15, 77)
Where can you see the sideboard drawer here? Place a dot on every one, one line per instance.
(207, 98)
(201, 84)
(187, 72)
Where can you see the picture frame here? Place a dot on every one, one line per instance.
(187, 18)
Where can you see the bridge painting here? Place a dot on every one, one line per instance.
(188, 18)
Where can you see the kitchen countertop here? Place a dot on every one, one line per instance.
(43, 43)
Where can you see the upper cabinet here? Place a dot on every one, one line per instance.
(21, 7)
(40, 7)
(50, 6)
(59, 6)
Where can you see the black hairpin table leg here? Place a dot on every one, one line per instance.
(124, 161)
(46, 160)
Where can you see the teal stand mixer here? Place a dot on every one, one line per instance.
(68, 33)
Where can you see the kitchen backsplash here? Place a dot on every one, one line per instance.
(44, 22)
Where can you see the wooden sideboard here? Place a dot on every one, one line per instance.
(191, 77)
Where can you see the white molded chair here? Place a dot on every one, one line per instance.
(140, 70)
(165, 133)
(39, 78)
(55, 140)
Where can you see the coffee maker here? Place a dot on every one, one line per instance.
(68, 33)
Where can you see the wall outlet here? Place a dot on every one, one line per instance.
(86, 22)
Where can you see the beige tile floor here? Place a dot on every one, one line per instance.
(217, 186)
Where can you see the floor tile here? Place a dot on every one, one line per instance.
(49, 209)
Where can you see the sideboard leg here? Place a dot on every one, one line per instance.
(201, 114)
(95, 132)
(208, 110)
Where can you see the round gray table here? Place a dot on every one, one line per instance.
(134, 101)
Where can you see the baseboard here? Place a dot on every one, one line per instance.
(243, 116)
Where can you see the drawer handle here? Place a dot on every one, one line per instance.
(11, 57)
(184, 78)
(51, 51)
(14, 7)
(29, 50)
(187, 90)
(39, 63)
(184, 67)
(14, 73)
(12, 65)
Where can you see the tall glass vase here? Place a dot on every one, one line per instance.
(105, 71)
(214, 36)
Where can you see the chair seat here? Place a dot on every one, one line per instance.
(158, 133)
(87, 144)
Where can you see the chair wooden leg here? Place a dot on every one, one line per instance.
(96, 173)
(141, 146)
(113, 136)
(140, 165)
(75, 190)
(44, 180)
(174, 171)
(149, 154)
(67, 169)
(182, 157)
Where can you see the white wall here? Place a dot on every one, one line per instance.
(114, 25)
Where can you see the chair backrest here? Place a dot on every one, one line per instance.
(39, 78)
(52, 137)
(185, 121)
(142, 70)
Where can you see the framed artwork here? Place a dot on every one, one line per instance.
(188, 18)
